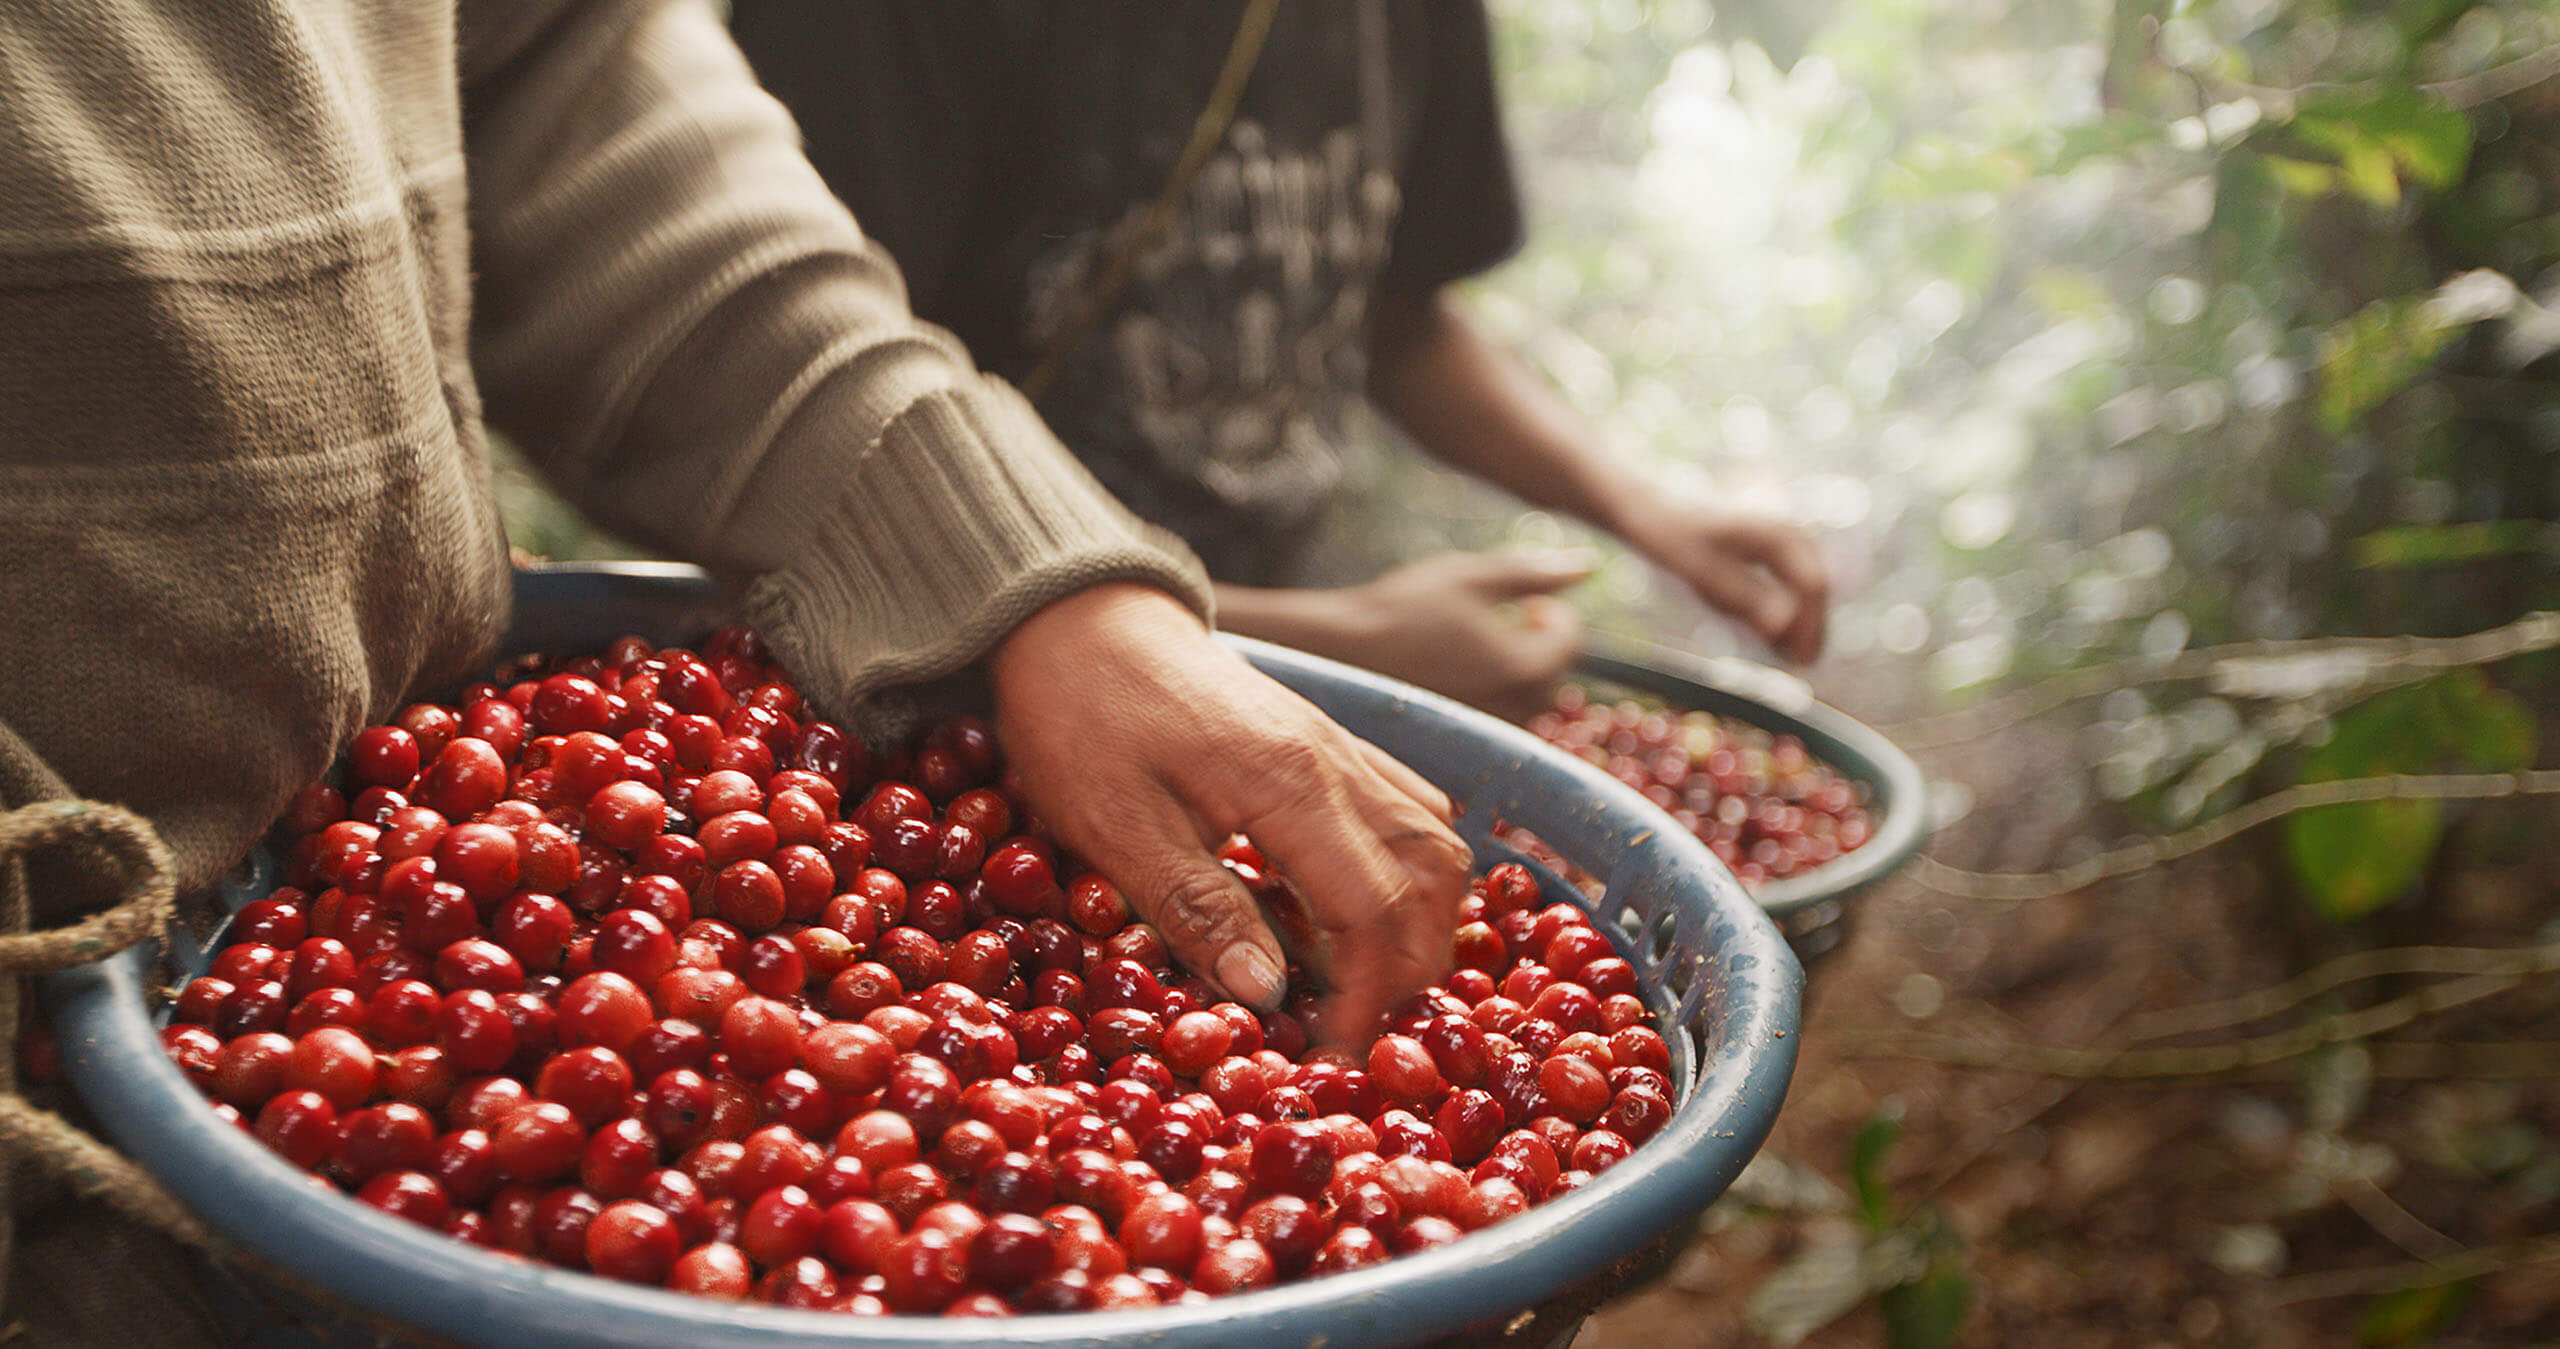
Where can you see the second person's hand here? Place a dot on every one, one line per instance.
(1483, 628)
(1763, 571)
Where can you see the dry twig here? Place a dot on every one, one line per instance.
(2392, 1222)
(2353, 967)
(2198, 1061)
(2470, 1264)
(2019, 886)
(2364, 660)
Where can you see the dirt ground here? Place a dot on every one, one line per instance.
(2264, 1207)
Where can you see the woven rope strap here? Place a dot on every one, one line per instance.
(100, 830)
(101, 835)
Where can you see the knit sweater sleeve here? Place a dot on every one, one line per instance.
(695, 341)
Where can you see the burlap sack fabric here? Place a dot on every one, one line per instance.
(90, 1246)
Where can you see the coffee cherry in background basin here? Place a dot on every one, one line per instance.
(1759, 800)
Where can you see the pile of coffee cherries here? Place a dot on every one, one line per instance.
(633, 966)
(1759, 801)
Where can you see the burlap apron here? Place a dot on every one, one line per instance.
(90, 1245)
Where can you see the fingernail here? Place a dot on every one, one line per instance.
(1249, 973)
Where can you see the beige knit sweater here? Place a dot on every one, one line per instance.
(266, 265)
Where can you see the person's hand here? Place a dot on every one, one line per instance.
(1484, 628)
(1763, 572)
(1143, 744)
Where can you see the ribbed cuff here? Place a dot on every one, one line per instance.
(965, 518)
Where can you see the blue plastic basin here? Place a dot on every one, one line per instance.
(1725, 987)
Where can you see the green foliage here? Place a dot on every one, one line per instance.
(2411, 1316)
(2110, 136)
(1904, 1256)
(1936, 167)
(1927, 1313)
(2445, 545)
(537, 520)
(1867, 1153)
(2098, 328)
(2371, 356)
(2353, 859)
(2376, 137)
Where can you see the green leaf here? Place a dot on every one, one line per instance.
(2062, 291)
(2411, 1316)
(1927, 1313)
(1967, 255)
(2301, 177)
(2352, 859)
(2368, 173)
(2486, 729)
(2248, 213)
(2380, 137)
(2442, 545)
(2369, 357)
(2356, 858)
(2428, 138)
(1941, 166)
(1867, 1153)
(2110, 137)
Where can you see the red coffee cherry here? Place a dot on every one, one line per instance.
(907, 1059)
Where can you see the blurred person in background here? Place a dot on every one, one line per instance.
(1198, 235)
(265, 269)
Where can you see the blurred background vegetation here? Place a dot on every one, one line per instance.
(2091, 334)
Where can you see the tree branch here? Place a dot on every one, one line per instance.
(2117, 1062)
(2392, 1222)
(2354, 967)
(2497, 82)
(2362, 660)
(2019, 886)
(2462, 91)
(2470, 1264)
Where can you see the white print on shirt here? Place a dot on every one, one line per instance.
(1236, 351)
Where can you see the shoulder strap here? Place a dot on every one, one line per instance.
(1207, 130)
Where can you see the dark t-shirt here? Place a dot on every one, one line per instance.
(999, 148)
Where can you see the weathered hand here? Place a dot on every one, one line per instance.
(1143, 744)
(1764, 572)
(1484, 628)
